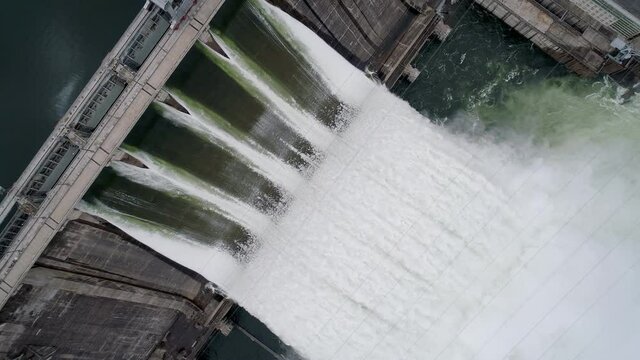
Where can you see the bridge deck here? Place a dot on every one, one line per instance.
(94, 153)
(632, 6)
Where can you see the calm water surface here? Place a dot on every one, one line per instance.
(51, 49)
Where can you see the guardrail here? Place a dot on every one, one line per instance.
(82, 142)
(625, 24)
(101, 98)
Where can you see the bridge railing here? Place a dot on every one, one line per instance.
(21, 204)
(99, 104)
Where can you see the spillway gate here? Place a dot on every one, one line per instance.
(81, 144)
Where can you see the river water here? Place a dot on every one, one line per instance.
(51, 50)
(494, 214)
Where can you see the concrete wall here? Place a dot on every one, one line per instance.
(355, 28)
(92, 248)
(381, 35)
(96, 293)
(32, 232)
(562, 30)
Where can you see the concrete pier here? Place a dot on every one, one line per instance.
(81, 288)
(96, 293)
(38, 204)
(589, 37)
(381, 36)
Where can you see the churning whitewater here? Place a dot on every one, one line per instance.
(408, 244)
(411, 242)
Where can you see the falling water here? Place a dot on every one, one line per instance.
(404, 239)
(210, 261)
(260, 160)
(163, 178)
(449, 253)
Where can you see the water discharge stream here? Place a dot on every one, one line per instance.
(395, 238)
(250, 153)
(164, 178)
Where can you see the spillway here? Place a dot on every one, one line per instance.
(365, 231)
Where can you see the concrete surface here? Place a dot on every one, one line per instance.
(632, 6)
(96, 152)
(380, 35)
(96, 293)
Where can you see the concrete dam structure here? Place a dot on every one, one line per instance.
(96, 293)
(382, 36)
(71, 283)
(38, 204)
(588, 36)
(225, 156)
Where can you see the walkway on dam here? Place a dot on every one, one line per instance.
(81, 145)
(632, 6)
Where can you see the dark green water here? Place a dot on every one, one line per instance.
(484, 78)
(50, 50)
(219, 95)
(479, 65)
(488, 79)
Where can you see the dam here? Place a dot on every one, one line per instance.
(53, 254)
(588, 36)
(255, 158)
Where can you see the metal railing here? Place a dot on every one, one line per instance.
(610, 16)
(11, 227)
(26, 200)
(50, 170)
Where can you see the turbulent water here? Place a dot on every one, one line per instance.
(356, 228)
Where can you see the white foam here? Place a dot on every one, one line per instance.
(399, 249)
(164, 178)
(249, 153)
(211, 262)
(297, 119)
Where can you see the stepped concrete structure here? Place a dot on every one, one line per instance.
(588, 36)
(96, 293)
(74, 286)
(38, 204)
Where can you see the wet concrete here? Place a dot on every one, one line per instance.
(96, 293)
(382, 36)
